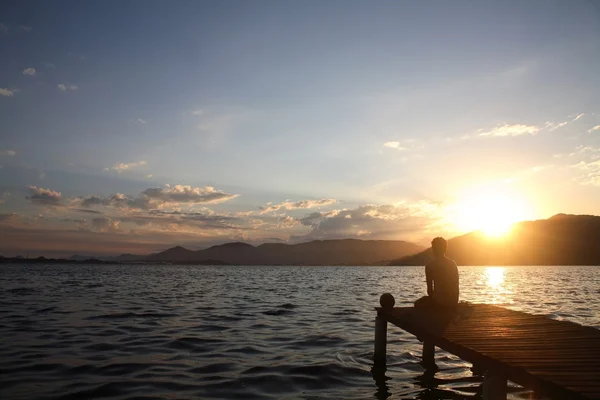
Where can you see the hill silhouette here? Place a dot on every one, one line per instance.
(318, 252)
(560, 240)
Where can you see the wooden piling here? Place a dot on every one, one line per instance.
(494, 386)
(428, 354)
(380, 340)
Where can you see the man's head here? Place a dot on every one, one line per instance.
(439, 246)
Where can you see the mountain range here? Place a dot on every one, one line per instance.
(317, 252)
(560, 240)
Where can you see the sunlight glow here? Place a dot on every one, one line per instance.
(491, 210)
(494, 277)
(495, 286)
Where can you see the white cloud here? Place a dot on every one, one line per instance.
(63, 87)
(141, 121)
(8, 92)
(188, 194)
(44, 196)
(511, 130)
(197, 112)
(394, 145)
(29, 71)
(294, 205)
(596, 128)
(551, 126)
(403, 220)
(285, 221)
(118, 201)
(7, 152)
(590, 172)
(120, 167)
(577, 117)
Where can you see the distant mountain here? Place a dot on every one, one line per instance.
(120, 258)
(318, 252)
(125, 257)
(78, 257)
(560, 240)
(176, 253)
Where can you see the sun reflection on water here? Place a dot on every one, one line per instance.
(494, 277)
(496, 289)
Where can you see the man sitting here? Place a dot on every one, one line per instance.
(441, 275)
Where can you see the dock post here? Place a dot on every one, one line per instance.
(387, 302)
(428, 354)
(494, 386)
(380, 340)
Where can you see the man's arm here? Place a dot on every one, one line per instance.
(429, 280)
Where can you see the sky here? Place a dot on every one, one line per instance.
(134, 126)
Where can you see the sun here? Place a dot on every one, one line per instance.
(490, 210)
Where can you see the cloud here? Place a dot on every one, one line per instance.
(153, 198)
(3, 28)
(590, 171)
(25, 28)
(120, 167)
(551, 126)
(595, 128)
(394, 145)
(43, 196)
(104, 224)
(49, 65)
(578, 150)
(577, 117)
(85, 211)
(294, 205)
(285, 221)
(197, 112)
(7, 152)
(141, 121)
(63, 87)
(29, 71)
(372, 221)
(8, 92)
(188, 194)
(511, 130)
(119, 201)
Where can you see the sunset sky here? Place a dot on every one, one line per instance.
(133, 126)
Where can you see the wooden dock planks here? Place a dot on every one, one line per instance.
(556, 358)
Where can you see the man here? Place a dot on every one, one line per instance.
(441, 275)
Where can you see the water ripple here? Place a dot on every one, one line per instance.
(152, 332)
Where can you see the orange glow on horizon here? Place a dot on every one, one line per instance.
(491, 210)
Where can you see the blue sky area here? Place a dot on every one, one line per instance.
(131, 126)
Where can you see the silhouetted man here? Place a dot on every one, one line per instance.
(441, 275)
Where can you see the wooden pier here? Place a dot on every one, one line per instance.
(557, 359)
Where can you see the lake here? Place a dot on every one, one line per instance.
(166, 332)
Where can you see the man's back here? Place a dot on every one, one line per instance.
(443, 274)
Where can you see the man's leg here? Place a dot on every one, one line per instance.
(423, 302)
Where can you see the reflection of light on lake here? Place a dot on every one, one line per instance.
(494, 277)
(497, 290)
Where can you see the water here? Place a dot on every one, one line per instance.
(124, 332)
